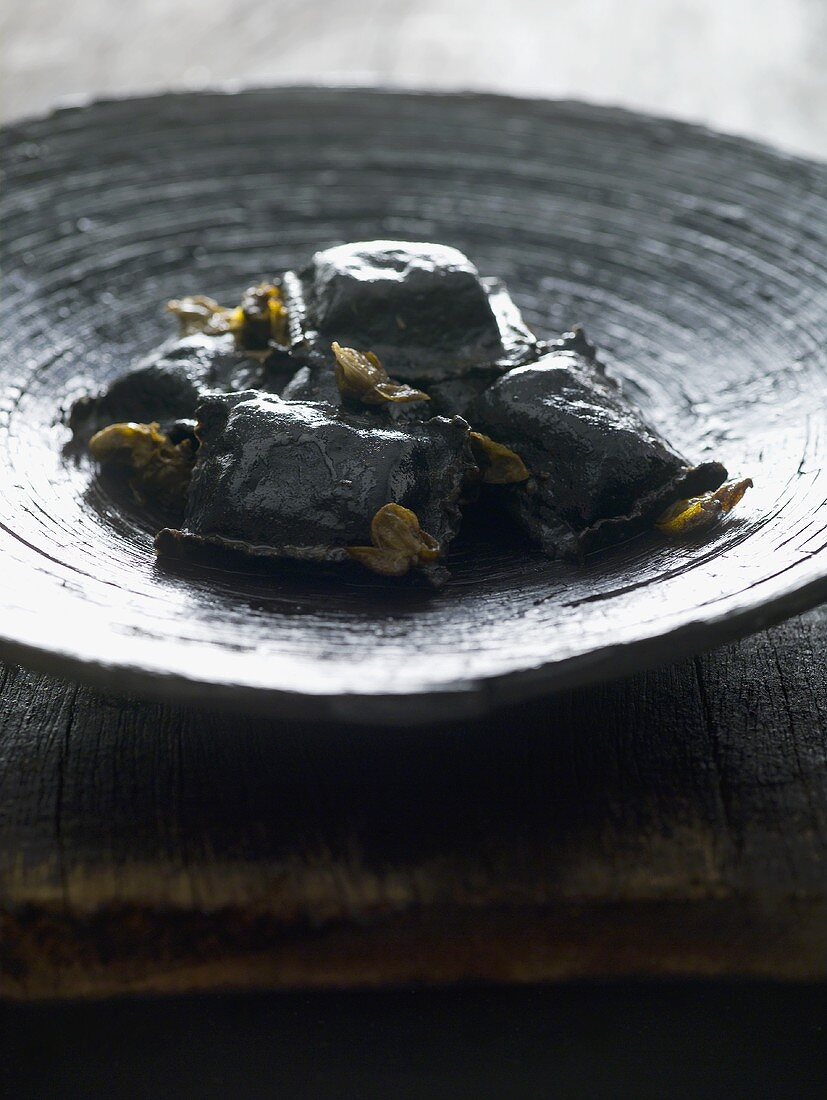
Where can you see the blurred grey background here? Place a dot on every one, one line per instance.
(757, 67)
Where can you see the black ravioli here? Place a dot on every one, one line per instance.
(422, 308)
(169, 383)
(599, 472)
(300, 480)
(314, 382)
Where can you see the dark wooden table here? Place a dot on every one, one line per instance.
(671, 825)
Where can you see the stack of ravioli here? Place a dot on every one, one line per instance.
(351, 411)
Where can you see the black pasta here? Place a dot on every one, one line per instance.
(218, 349)
(169, 383)
(598, 471)
(365, 345)
(421, 308)
(313, 482)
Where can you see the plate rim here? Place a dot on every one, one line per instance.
(462, 699)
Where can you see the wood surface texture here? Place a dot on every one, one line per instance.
(673, 823)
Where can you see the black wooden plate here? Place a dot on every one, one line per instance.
(697, 262)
